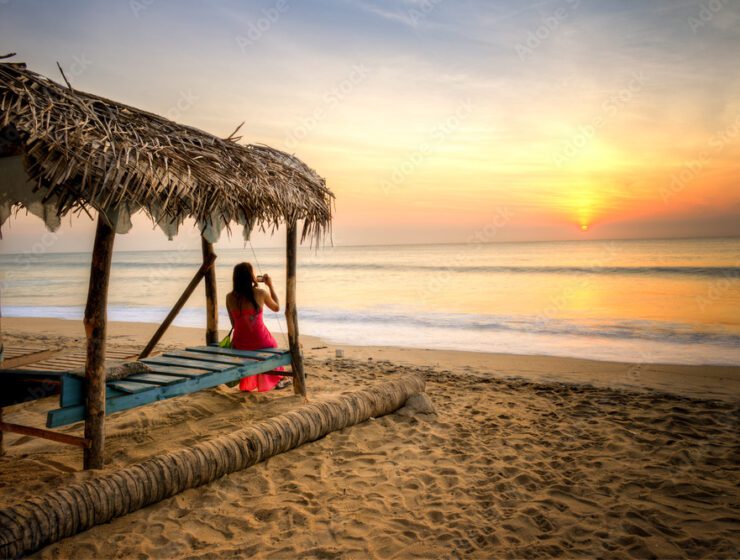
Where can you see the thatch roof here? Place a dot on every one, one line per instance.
(82, 151)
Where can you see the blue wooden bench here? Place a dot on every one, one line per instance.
(171, 374)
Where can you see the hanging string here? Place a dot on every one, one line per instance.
(259, 268)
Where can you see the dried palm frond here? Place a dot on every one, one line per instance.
(83, 151)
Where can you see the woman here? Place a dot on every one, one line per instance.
(245, 306)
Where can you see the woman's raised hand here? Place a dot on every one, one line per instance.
(267, 280)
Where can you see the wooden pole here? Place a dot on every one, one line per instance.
(211, 293)
(95, 327)
(291, 313)
(208, 263)
(45, 434)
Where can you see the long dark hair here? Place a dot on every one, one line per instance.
(244, 284)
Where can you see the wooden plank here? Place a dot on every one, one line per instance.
(217, 358)
(49, 367)
(271, 350)
(175, 370)
(22, 356)
(66, 359)
(262, 352)
(68, 363)
(46, 434)
(73, 393)
(15, 351)
(199, 364)
(255, 354)
(154, 379)
(129, 386)
(63, 416)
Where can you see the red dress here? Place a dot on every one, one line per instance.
(250, 333)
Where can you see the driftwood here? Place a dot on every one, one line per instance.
(66, 511)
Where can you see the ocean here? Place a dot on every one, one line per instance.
(644, 301)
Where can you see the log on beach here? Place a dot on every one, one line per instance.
(42, 520)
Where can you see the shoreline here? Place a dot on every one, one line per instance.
(696, 381)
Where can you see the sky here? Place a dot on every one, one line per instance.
(431, 120)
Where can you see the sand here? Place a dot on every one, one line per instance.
(526, 457)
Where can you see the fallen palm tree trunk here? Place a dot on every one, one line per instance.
(42, 520)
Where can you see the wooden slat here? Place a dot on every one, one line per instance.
(217, 358)
(23, 355)
(15, 351)
(254, 354)
(176, 371)
(154, 379)
(199, 364)
(271, 350)
(46, 367)
(58, 360)
(129, 386)
(68, 415)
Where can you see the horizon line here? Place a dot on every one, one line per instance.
(367, 245)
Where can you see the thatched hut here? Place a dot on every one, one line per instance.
(64, 151)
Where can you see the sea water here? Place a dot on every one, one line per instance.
(649, 301)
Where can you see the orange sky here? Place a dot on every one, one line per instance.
(432, 121)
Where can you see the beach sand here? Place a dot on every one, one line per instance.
(526, 457)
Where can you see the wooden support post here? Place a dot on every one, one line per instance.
(45, 434)
(208, 263)
(95, 328)
(291, 313)
(211, 293)
(2, 449)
